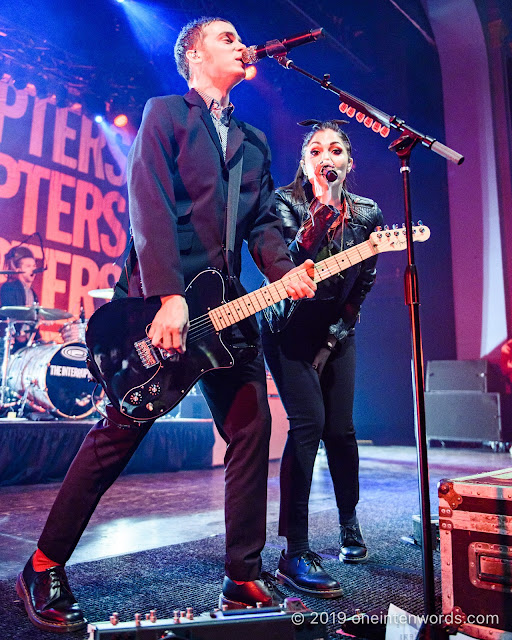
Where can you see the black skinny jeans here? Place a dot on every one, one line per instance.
(237, 398)
(318, 409)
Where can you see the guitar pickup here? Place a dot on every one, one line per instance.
(147, 353)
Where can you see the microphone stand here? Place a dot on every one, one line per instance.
(403, 147)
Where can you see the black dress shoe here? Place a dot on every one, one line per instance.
(305, 573)
(48, 599)
(250, 594)
(352, 546)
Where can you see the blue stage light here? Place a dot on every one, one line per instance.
(152, 25)
(98, 118)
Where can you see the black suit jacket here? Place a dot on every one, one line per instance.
(12, 294)
(178, 179)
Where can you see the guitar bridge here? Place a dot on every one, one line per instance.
(146, 352)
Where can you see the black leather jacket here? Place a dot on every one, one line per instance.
(307, 237)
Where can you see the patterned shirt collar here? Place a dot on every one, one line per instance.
(223, 114)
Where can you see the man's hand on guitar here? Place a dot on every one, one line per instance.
(170, 325)
(301, 284)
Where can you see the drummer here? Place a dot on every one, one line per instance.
(18, 291)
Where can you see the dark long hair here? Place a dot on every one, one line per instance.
(297, 186)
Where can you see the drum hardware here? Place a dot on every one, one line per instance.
(53, 378)
(21, 409)
(33, 333)
(50, 378)
(47, 378)
(8, 340)
(8, 343)
(74, 331)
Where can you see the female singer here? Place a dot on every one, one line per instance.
(310, 350)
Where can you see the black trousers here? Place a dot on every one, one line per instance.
(237, 398)
(317, 409)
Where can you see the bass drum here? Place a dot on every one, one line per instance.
(55, 377)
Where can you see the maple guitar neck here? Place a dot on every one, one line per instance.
(249, 304)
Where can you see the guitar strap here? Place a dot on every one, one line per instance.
(235, 179)
(244, 334)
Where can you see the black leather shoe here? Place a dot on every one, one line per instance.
(352, 546)
(305, 573)
(48, 599)
(249, 594)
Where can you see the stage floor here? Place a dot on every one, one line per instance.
(148, 511)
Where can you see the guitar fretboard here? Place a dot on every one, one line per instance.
(251, 303)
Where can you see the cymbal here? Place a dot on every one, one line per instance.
(105, 294)
(34, 313)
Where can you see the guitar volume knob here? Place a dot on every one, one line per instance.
(154, 389)
(135, 397)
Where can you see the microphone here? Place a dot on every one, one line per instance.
(330, 174)
(277, 48)
(38, 270)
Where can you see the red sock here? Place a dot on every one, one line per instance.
(40, 562)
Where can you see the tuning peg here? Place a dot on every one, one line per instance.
(138, 619)
(420, 223)
(176, 616)
(114, 618)
(395, 226)
(152, 615)
(378, 228)
(386, 227)
(190, 613)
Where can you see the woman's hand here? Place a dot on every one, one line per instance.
(323, 355)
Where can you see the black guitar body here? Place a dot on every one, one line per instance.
(144, 382)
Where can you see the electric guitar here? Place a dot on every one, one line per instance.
(144, 382)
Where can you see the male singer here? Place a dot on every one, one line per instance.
(178, 174)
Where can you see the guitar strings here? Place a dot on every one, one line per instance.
(203, 325)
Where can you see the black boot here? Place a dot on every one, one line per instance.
(48, 599)
(305, 573)
(249, 594)
(352, 546)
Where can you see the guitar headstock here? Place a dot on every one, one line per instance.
(395, 239)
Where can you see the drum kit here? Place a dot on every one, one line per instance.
(46, 377)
